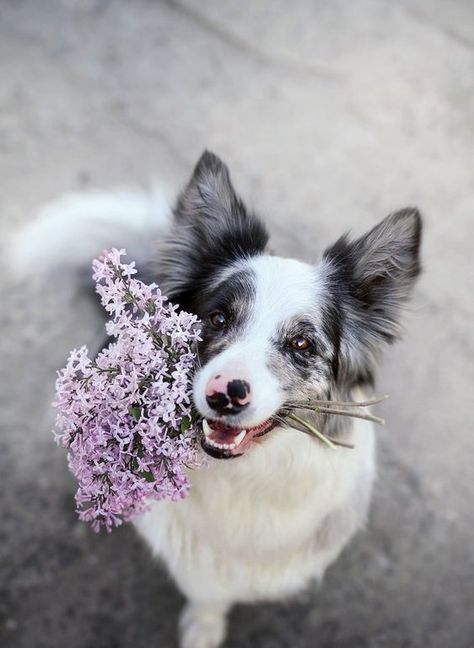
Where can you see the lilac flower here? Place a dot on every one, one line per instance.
(126, 416)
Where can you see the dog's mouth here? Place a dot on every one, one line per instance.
(223, 441)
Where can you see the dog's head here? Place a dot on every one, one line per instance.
(277, 330)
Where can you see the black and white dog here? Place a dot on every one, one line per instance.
(275, 331)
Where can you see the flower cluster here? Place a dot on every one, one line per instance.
(126, 415)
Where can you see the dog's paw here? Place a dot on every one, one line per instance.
(202, 626)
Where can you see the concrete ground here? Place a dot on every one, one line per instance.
(330, 115)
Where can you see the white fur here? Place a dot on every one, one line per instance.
(248, 530)
(258, 527)
(284, 288)
(261, 526)
(71, 231)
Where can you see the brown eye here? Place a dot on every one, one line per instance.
(218, 320)
(300, 343)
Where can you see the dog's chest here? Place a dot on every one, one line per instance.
(274, 498)
(279, 498)
(251, 524)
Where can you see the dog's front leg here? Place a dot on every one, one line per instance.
(203, 624)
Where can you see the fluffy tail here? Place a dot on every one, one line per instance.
(69, 232)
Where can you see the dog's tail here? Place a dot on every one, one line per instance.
(71, 231)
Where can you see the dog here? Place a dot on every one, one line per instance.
(274, 507)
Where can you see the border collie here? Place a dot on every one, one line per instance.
(275, 507)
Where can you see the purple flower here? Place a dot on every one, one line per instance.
(126, 416)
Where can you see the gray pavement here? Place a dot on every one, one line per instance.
(330, 115)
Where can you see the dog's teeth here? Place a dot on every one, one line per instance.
(214, 444)
(206, 428)
(239, 438)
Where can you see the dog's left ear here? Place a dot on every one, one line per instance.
(212, 228)
(372, 277)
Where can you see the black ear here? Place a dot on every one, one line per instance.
(209, 193)
(212, 228)
(371, 279)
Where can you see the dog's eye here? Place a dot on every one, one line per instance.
(218, 320)
(300, 343)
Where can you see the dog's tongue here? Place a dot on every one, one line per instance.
(221, 433)
(232, 439)
(226, 440)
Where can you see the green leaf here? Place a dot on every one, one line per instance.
(128, 298)
(135, 411)
(151, 307)
(185, 424)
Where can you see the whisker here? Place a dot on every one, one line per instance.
(198, 358)
(279, 419)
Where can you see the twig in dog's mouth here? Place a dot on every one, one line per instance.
(288, 416)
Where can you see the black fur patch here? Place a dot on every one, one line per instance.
(370, 280)
(302, 362)
(212, 230)
(234, 297)
(332, 325)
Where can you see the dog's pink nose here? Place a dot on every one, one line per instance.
(217, 384)
(227, 395)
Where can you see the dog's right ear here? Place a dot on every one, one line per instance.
(212, 228)
(209, 193)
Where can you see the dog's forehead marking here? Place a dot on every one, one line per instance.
(284, 288)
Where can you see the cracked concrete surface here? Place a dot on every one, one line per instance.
(330, 115)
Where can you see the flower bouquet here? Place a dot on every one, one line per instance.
(126, 415)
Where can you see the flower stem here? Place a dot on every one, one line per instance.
(312, 429)
(329, 410)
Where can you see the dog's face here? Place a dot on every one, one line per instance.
(277, 331)
(263, 345)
